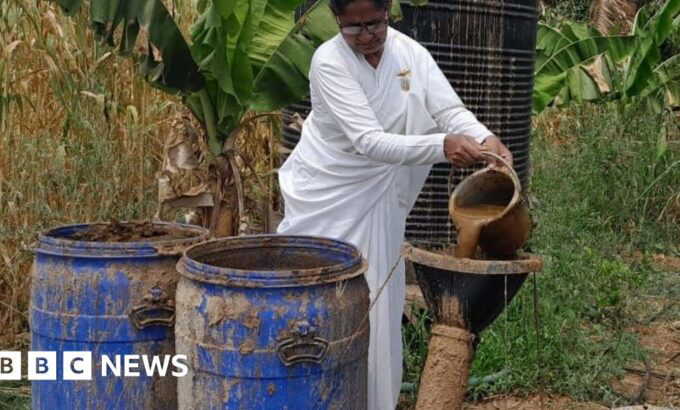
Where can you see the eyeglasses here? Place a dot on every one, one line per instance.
(371, 27)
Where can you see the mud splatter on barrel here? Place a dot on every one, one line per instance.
(273, 322)
(106, 298)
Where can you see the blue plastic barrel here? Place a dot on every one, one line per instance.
(273, 322)
(107, 298)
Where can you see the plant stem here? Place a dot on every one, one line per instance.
(210, 125)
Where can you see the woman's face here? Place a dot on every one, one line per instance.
(363, 26)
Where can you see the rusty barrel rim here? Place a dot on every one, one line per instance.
(525, 263)
(348, 262)
(56, 242)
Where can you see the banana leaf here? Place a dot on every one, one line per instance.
(281, 52)
(552, 75)
(664, 76)
(549, 41)
(662, 23)
(651, 31)
(642, 18)
(582, 86)
(673, 93)
(601, 71)
(176, 72)
(546, 88)
(579, 31)
(261, 58)
(254, 61)
(283, 55)
(618, 47)
(221, 38)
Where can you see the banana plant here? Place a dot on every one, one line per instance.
(244, 56)
(254, 58)
(577, 63)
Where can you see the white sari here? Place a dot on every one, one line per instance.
(365, 151)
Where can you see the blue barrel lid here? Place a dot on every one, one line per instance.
(271, 261)
(59, 242)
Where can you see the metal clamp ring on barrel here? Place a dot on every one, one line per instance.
(154, 311)
(304, 346)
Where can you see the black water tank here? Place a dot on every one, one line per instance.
(486, 49)
(291, 116)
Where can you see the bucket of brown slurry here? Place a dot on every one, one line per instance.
(465, 296)
(488, 210)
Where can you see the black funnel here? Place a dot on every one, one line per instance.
(469, 293)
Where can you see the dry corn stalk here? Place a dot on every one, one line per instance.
(613, 16)
(184, 181)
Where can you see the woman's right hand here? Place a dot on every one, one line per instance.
(462, 151)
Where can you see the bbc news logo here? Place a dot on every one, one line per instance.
(78, 365)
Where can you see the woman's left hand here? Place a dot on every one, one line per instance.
(493, 144)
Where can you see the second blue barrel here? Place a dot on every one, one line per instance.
(273, 322)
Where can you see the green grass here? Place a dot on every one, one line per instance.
(416, 335)
(603, 189)
(15, 395)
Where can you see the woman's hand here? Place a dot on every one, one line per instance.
(461, 150)
(493, 144)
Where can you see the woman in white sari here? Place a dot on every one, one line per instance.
(382, 114)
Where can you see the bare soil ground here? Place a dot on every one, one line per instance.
(669, 263)
(534, 402)
(656, 381)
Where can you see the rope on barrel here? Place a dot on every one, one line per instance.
(363, 321)
(372, 305)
